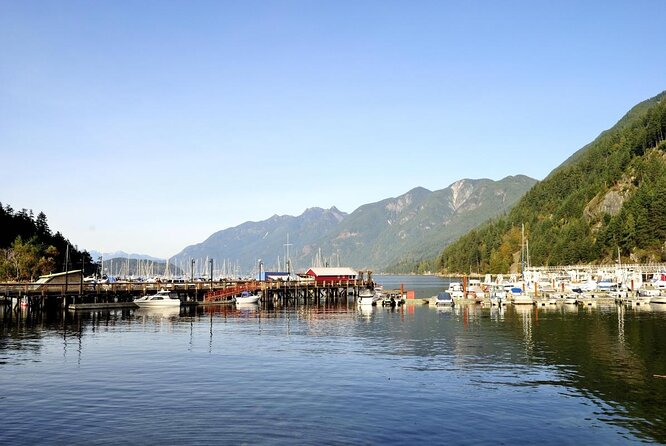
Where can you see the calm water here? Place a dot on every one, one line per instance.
(335, 375)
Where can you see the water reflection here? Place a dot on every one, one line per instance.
(157, 314)
(610, 356)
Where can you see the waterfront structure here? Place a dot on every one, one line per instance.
(332, 274)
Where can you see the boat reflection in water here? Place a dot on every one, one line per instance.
(366, 310)
(157, 312)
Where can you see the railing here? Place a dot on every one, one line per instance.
(219, 295)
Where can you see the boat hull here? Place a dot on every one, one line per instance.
(522, 300)
(248, 300)
(158, 304)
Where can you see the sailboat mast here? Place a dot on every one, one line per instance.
(522, 250)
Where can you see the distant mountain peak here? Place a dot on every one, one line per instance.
(419, 222)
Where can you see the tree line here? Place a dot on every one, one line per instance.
(28, 247)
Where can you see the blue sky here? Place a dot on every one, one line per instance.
(147, 126)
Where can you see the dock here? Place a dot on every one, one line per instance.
(84, 295)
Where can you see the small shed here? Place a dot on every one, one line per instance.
(332, 274)
(72, 279)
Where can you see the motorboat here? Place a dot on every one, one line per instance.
(163, 298)
(661, 299)
(475, 290)
(368, 296)
(497, 296)
(456, 290)
(247, 298)
(391, 300)
(444, 299)
(520, 298)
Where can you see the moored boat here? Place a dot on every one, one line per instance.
(163, 298)
(455, 290)
(497, 296)
(661, 299)
(520, 298)
(444, 299)
(368, 296)
(247, 298)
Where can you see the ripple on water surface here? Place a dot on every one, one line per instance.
(335, 375)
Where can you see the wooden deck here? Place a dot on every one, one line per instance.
(192, 293)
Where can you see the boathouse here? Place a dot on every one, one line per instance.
(331, 274)
(72, 279)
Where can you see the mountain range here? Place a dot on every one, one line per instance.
(120, 255)
(405, 229)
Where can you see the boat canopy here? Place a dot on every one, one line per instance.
(443, 295)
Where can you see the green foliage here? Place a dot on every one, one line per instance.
(562, 225)
(29, 249)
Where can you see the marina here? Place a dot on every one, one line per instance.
(76, 293)
(270, 373)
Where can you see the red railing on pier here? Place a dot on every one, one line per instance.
(226, 293)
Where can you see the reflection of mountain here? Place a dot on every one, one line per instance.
(612, 355)
(607, 356)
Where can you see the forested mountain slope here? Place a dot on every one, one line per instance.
(608, 196)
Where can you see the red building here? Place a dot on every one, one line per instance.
(332, 274)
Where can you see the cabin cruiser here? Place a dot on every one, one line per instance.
(497, 296)
(456, 290)
(163, 298)
(444, 299)
(518, 297)
(368, 297)
(247, 298)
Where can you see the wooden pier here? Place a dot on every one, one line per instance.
(119, 294)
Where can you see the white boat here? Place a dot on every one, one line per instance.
(497, 296)
(456, 290)
(519, 298)
(475, 289)
(661, 299)
(444, 299)
(247, 298)
(163, 298)
(368, 297)
(391, 300)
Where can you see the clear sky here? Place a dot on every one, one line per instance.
(146, 126)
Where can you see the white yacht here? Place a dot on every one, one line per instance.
(368, 297)
(163, 298)
(247, 298)
(456, 290)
